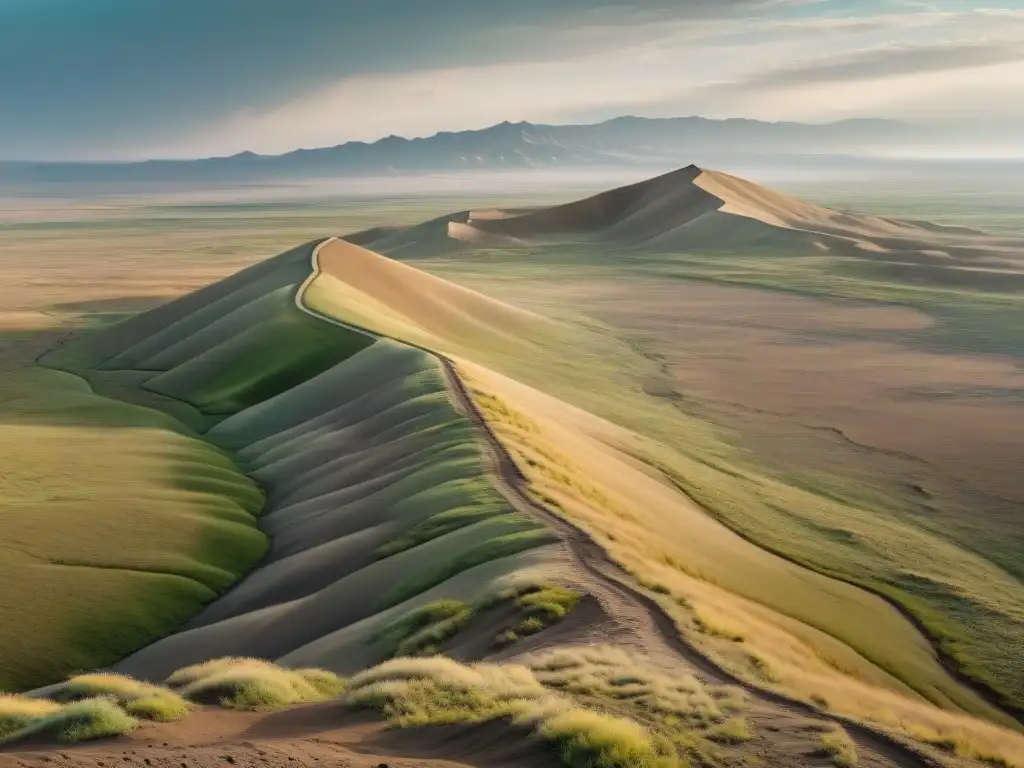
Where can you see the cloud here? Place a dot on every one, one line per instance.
(119, 70)
(124, 78)
(891, 61)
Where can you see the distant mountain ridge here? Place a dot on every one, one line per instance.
(620, 141)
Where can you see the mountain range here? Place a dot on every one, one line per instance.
(663, 142)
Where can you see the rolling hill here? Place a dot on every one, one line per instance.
(432, 456)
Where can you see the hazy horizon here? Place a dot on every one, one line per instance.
(135, 80)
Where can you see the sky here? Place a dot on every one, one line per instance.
(131, 79)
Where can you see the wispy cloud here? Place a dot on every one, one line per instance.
(890, 61)
(131, 77)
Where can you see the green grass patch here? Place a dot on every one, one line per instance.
(501, 545)
(421, 692)
(437, 526)
(284, 349)
(87, 482)
(426, 627)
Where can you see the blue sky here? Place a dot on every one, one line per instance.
(139, 78)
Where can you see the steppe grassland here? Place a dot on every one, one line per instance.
(603, 376)
(86, 481)
(973, 612)
(707, 603)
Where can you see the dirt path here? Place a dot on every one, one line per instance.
(641, 622)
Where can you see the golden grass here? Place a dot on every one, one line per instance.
(419, 692)
(18, 711)
(769, 648)
(838, 745)
(253, 684)
(139, 699)
(87, 481)
(77, 721)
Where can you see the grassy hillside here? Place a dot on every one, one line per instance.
(764, 616)
(86, 483)
(379, 506)
(379, 501)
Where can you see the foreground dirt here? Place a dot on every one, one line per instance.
(323, 735)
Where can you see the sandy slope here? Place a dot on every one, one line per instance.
(326, 735)
(696, 210)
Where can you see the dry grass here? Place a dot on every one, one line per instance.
(767, 647)
(838, 745)
(253, 684)
(139, 699)
(18, 711)
(78, 721)
(419, 692)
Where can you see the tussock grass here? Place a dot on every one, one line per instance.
(139, 699)
(16, 712)
(552, 602)
(605, 672)
(252, 684)
(437, 691)
(79, 721)
(735, 730)
(586, 739)
(839, 747)
(541, 605)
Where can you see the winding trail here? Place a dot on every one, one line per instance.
(642, 622)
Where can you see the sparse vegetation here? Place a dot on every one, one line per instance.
(439, 691)
(528, 536)
(837, 744)
(733, 731)
(426, 627)
(438, 525)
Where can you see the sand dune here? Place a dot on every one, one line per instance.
(694, 210)
(415, 305)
